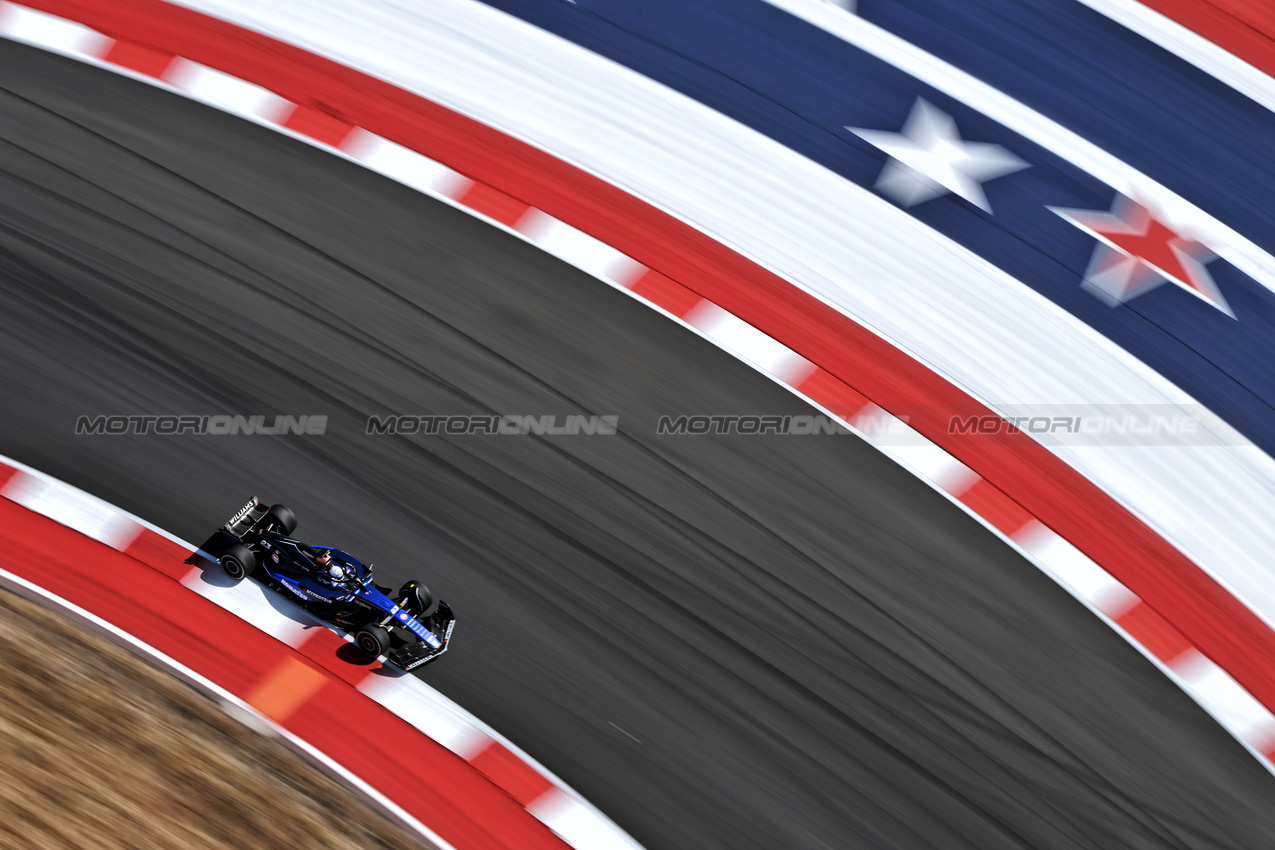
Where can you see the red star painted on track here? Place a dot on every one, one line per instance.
(1137, 252)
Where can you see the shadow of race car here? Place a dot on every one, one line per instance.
(410, 630)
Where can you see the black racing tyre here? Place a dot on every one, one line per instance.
(373, 640)
(237, 561)
(415, 599)
(281, 519)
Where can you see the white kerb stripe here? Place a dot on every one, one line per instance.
(1077, 572)
(576, 247)
(227, 93)
(1233, 706)
(73, 508)
(734, 334)
(404, 165)
(428, 712)
(579, 825)
(51, 32)
(933, 463)
(884, 430)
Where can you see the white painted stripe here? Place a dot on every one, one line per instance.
(578, 248)
(227, 93)
(934, 464)
(1227, 242)
(1221, 695)
(735, 335)
(1077, 572)
(51, 32)
(427, 710)
(72, 508)
(1183, 42)
(23, 469)
(404, 165)
(882, 428)
(578, 825)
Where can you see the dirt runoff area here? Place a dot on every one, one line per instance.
(100, 749)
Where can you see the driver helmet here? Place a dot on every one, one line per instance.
(336, 573)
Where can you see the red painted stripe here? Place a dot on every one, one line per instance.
(319, 126)
(823, 388)
(337, 655)
(162, 554)
(499, 764)
(1153, 632)
(991, 504)
(139, 58)
(1245, 28)
(493, 203)
(1044, 485)
(665, 293)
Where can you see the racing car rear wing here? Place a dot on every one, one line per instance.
(247, 517)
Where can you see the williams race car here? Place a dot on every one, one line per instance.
(410, 629)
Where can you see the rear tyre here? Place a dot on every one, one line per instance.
(238, 561)
(281, 519)
(373, 640)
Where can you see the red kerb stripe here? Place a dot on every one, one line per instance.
(519, 779)
(664, 292)
(1154, 632)
(139, 58)
(493, 203)
(994, 506)
(319, 126)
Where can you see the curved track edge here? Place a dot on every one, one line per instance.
(1190, 627)
(443, 772)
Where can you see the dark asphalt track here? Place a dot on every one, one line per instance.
(736, 642)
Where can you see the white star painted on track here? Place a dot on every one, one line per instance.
(929, 158)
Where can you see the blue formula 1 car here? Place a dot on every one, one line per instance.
(410, 629)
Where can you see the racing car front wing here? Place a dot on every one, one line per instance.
(412, 655)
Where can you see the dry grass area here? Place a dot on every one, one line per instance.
(100, 749)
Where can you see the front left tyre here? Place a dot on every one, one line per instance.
(238, 561)
(373, 640)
